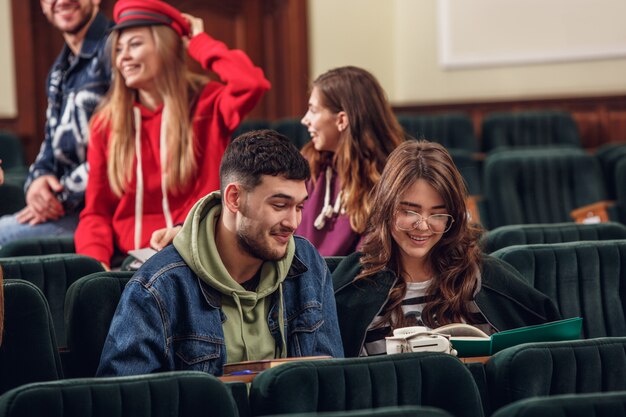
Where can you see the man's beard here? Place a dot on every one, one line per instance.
(254, 246)
(86, 17)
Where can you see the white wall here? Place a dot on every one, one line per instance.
(8, 101)
(352, 32)
(397, 40)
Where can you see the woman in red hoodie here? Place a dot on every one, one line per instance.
(157, 141)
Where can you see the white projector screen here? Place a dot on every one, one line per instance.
(483, 33)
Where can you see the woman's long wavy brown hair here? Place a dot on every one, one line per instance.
(372, 134)
(455, 259)
(178, 87)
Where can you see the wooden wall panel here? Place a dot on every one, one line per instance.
(272, 32)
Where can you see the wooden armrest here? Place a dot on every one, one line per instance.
(592, 213)
(471, 202)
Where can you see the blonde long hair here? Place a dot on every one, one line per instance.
(178, 87)
(372, 134)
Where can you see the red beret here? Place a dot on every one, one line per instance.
(132, 13)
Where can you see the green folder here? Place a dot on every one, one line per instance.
(568, 329)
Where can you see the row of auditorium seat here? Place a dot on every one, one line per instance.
(514, 185)
(515, 381)
(456, 131)
(453, 130)
(524, 186)
(76, 286)
(582, 278)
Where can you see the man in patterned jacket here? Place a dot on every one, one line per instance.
(76, 83)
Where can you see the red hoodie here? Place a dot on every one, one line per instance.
(108, 221)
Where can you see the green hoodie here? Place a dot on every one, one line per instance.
(246, 334)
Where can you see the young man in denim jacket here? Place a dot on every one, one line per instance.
(76, 83)
(236, 284)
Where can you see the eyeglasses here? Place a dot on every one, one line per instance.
(407, 220)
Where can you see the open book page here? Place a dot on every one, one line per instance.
(461, 330)
(143, 254)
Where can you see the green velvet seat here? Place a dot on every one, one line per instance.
(169, 394)
(529, 128)
(452, 130)
(293, 129)
(620, 185)
(89, 308)
(555, 368)
(12, 197)
(424, 379)
(583, 279)
(470, 169)
(579, 405)
(333, 261)
(11, 152)
(404, 411)
(29, 350)
(52, 274)
(530, 186)
(609, 155)
(526, 234)
(36, 246)
(249, 125)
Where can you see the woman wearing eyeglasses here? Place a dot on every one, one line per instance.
(420, 263)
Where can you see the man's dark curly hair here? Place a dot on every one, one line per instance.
(261, 152)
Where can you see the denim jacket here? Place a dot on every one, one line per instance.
(169, 319)
(75, 86)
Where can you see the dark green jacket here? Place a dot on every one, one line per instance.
(505, 300)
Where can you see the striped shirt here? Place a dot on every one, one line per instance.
(412, 306)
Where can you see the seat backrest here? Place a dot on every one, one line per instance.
(404, 411)
(11, 151)
(28, 352)
(452, 130)
(526, 234)
(470, 169)
(573, 405)
(11, 197)
(249, 125)
(608, 156)
(528, 128)
(52, 274)
(181, 394)
(583, 279)
(293, 129)
(45, 245)
(620, 185)
(426, 378)
(525, 186)
(333, 261)
(89, 308)
(553, 368)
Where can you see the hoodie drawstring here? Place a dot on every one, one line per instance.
(327, 210)
(163, 151)
(139, 173)
(243, 338)
(281, 322)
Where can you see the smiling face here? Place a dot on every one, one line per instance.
(322, 124)
(415, 245)
(269, 216)
(69, 16)
(136, 58)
